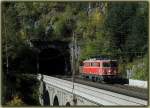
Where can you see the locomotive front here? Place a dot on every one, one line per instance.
(110, 69)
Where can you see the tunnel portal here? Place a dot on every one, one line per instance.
(53, 57)
(53, 62)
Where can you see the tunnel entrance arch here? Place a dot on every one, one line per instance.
(53, 57)
(52, 62)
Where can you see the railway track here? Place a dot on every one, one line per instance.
(87, 95)
(136, 92)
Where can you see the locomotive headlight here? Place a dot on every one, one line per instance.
(109, 71)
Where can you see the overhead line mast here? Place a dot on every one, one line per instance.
(73, 63)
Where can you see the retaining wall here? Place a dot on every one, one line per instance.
(138, 83)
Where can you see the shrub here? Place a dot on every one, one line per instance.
(16, 101)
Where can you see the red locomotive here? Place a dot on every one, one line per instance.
(100, 69)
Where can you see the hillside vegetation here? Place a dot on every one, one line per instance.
(116, 29)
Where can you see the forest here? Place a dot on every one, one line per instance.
(116, 29)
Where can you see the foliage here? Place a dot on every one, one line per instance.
(117, 29)
(125, 24)
(30, 91)
(139, 68)
(16, 101)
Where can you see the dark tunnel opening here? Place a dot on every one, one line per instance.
(54, 62)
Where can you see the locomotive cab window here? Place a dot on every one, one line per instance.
(106, 64)
(86, 64)
(110, 64)
(95, 64)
